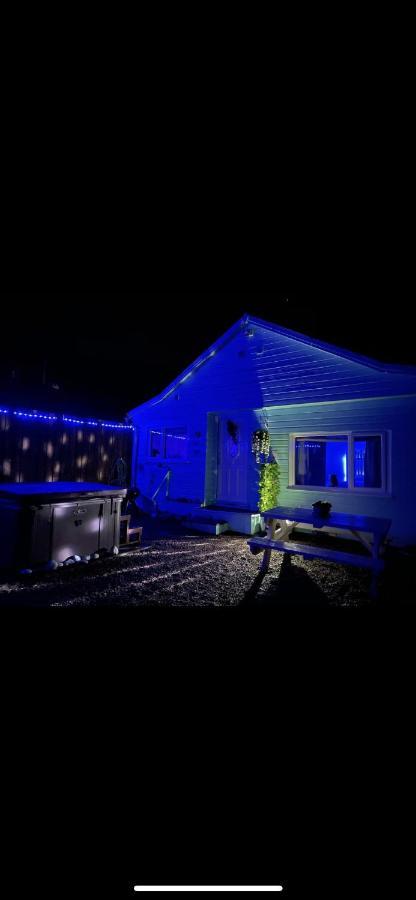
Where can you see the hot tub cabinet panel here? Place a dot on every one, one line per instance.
(55, 521)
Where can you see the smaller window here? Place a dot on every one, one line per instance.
(176, 444)
(156, 444)
(168, 443)
(368, 462)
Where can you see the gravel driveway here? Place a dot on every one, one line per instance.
(179, 568)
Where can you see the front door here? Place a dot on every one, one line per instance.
(232, 487)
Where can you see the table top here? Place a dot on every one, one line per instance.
(335, 519)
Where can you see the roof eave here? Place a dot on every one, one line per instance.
(386, 368)
(193, 367)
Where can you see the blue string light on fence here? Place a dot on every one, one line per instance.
(23, 415)
(68, 419)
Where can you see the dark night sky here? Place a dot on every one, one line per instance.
(109, 352)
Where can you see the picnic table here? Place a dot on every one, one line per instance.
(282, 520)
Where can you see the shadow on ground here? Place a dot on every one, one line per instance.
(293, 587)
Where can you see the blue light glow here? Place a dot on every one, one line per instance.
(25, 415)
(93, 423)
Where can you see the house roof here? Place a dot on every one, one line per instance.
(247, 321)
(332, 348)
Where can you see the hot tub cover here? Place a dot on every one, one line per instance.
(47, 492)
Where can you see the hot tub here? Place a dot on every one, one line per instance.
(54, 521)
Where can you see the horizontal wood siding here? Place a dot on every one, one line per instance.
(397, 415)
(292, 372)
(270, 369)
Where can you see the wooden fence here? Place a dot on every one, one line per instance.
(34, 449)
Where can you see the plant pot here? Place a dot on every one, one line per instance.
(322, 509)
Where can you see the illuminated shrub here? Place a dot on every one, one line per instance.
(269, 487)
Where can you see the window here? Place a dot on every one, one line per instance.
(168, 443)
(322, 461)
(156, 444)
(368, 462)
(176, 443)
(339, 461)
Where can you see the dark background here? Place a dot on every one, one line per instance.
(349, 242)
(231, 748)
(109, 352)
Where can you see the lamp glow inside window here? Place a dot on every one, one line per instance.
(322, 461)
(339, 461)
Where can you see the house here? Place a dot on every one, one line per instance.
(341, 426)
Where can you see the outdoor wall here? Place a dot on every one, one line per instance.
(259, 373)
(226, 382)
(193, 481)
(38, 450)
(397, 415)
(188, 476)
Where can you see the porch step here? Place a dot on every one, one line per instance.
(206, 526)
(243, 521)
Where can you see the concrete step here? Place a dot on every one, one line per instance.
(207, 527)
(243, 521)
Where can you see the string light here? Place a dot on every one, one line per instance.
(25, 415)
(93, 423)
(260, 443)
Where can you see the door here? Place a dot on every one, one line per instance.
(232, 487)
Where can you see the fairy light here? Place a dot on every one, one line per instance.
(260, 443)
(46, 417)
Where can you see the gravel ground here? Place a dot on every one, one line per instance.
(175, 567)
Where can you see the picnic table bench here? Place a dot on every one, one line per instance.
(281, 521)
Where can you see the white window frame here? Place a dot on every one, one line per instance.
(351, 436)
(162, 429)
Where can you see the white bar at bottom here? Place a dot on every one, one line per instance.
(277, 887)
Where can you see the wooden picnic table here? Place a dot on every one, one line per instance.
(282, 520)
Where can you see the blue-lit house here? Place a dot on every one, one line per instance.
(341, 426)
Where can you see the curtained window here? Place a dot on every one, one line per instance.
(368, 462)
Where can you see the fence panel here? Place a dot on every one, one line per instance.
(40, 450)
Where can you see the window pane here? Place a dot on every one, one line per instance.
(322, 461)
(176, 443)
(367, 462)
(156, 443)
